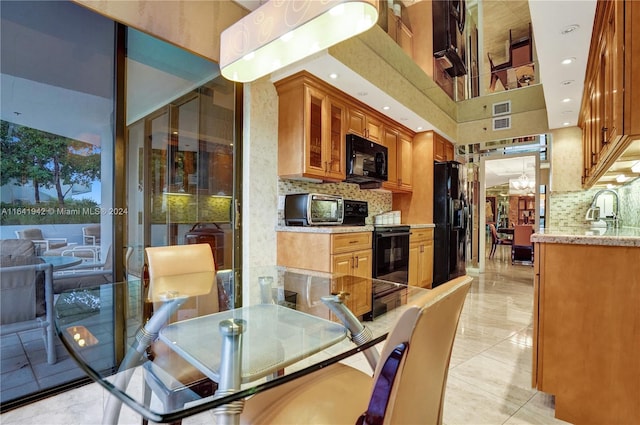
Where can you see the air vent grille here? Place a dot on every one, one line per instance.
(501, 108)
(502, 123)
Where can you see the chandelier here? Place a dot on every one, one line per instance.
(523, 182)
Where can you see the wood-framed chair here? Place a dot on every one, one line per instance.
(496, 240)
(420, 345)
(522, 247)
(168, 376)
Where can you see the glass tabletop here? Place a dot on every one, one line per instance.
(61, 261)
(121, 333)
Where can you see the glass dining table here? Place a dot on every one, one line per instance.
(290, 323)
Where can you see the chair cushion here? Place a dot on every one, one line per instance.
(339, 394)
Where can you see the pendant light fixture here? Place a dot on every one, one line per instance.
(522, 182)
(281, 32)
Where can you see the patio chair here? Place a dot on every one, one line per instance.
(18, 303)
(42, 244)
(91, 234)
(85, 275)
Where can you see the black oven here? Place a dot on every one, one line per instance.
(390, 264)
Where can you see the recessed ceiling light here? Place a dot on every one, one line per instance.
(419, 128)
(621, 178)
(567, 61)
(569, 29)
(567, 99)
(386, 108)
(566, 124)
(333, 75)
(567, 82)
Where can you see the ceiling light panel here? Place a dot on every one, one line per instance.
(279, 33)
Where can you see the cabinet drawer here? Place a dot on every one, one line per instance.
(348, 242)
(421, 235)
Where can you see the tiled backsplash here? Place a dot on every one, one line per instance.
(379, 200)
(569, 208)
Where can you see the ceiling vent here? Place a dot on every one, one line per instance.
(501, 108)
(502, 123)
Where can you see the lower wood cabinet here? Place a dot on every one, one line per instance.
(421, 258)
(586, 331)
(348, 254)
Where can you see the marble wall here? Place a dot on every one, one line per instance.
(568, 208)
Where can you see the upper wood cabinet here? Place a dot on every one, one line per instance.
(442, 149)
(311, 145)
(364, 124)
(399, 145)
(314, 119)
(608, 116)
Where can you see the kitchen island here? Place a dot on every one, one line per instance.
(586, 335)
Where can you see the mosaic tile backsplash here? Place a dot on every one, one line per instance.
(379, 200)
(187, 208)
(569, 208)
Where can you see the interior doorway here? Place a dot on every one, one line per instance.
(510, 195)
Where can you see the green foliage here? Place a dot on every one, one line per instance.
(45, 159)
(73, 212)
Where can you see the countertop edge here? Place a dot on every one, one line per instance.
(342, 229)
(600, 240)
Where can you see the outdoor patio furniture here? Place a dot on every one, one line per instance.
(42, 244)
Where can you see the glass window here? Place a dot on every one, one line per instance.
(180, 132)
(56, 130)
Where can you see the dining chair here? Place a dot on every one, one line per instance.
(496, 240)
(168, 376)
(522, 247)
(408, 385)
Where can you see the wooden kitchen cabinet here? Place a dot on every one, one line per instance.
(586, 331)
(421, 258)
(609, 118)
(399, 145)
(443, 149)
(313, 145)
(349, 254)
(364, 124)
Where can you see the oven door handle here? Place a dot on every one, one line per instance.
(392, 234)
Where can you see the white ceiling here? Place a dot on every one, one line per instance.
(499, 171)
(549, 19)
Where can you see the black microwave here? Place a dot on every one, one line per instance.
(366, 160)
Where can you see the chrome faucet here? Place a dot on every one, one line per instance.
(593, 210)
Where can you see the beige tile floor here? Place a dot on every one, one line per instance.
(489, 379)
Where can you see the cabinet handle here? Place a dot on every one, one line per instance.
(325, 166)
(354, 241)
(357, 263)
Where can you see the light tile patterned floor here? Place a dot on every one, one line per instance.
(489, 379)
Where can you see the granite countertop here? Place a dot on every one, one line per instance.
(422, 226)
(343, 229)
(623, 236)
(325, 229)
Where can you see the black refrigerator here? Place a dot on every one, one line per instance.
(450, 211)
